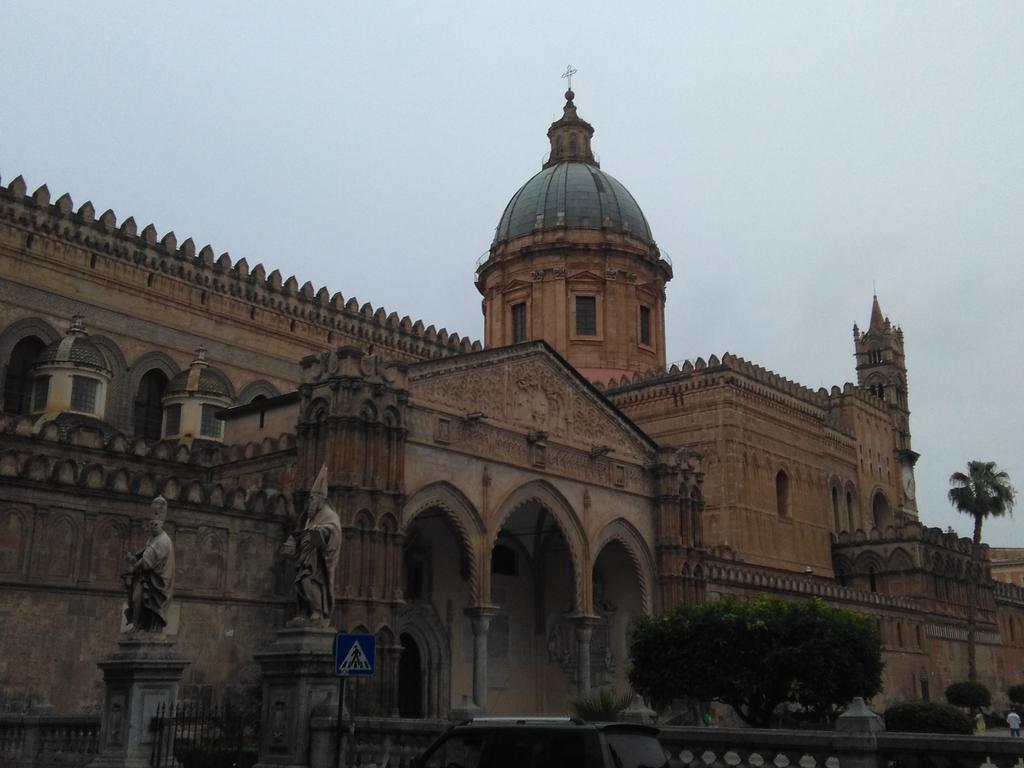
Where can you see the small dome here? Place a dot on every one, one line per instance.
(572, 194)
(199, 380)
(75, 348)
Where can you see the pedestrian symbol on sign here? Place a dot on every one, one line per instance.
(355, 661)
(354, 655)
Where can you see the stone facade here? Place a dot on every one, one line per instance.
(507, 511)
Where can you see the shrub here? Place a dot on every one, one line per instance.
(969, 695)
(602, 706)
(919, 717)
(1016, 694)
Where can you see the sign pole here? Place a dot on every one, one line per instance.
(352, 728)
(338, 722)
(355, 655)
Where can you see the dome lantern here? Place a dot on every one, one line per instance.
(192, 400)
(570, 137)
(71, 375)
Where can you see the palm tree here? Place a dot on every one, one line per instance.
(981, 493)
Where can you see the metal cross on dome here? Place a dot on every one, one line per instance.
(567, 75)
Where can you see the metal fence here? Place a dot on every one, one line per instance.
(203, 736)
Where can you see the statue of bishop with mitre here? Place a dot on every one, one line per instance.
(315, 546)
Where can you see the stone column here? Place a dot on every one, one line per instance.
(298, 677)
(481, 619)
(584, 632)
(139, 679)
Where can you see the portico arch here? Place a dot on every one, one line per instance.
(629, 537)
(547, 496)
(463, 518)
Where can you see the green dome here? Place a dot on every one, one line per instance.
(199, 380)
(76, 349)
(575, 195)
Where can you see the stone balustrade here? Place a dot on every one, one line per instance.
(48, 741)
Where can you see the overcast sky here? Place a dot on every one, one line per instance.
(788, 156)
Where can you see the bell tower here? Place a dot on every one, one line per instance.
(882, 372)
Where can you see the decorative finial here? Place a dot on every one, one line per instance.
(567, 75)
(77, 324)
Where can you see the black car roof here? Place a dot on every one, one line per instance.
(550, 723)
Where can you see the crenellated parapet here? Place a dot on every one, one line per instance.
(153, 259)
(687, 378)
(90, 458)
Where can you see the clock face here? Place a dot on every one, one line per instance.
(908, 483)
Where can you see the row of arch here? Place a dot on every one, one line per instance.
(135, 391)
(478, 539)
(142, 483)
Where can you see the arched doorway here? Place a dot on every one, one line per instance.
(618, 602)
(410, 679)
(18, 379)
(531, 642)
(436, 586)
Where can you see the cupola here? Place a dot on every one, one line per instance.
(573, 262)
(192, 400)
(71, 376)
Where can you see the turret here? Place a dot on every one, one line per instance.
(193, 398)
(71, 376)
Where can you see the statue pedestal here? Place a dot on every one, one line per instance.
(298, 676)
(138, 679)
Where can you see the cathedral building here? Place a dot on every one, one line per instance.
(508, 508)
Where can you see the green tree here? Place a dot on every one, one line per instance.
(982, 492)
(757, 655)
(970, 695)
(1015, 693)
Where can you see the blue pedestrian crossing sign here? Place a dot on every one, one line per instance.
(354, 655)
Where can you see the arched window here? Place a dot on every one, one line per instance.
(849, 510)
(880, 510)
(782, 494)
(835, 509)
(573, 144)
(872, 580)
(148, 410)
(18, 383)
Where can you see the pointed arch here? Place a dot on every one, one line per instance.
(900, 560)
(565, 517)
(463, 517)
(421, 622)
(629, 537)
(261, 388)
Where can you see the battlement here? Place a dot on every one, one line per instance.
(147, 250)
(647, 385)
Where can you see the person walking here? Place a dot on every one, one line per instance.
(1013, 720)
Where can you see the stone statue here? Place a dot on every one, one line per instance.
(149, 575)
(315, 548)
